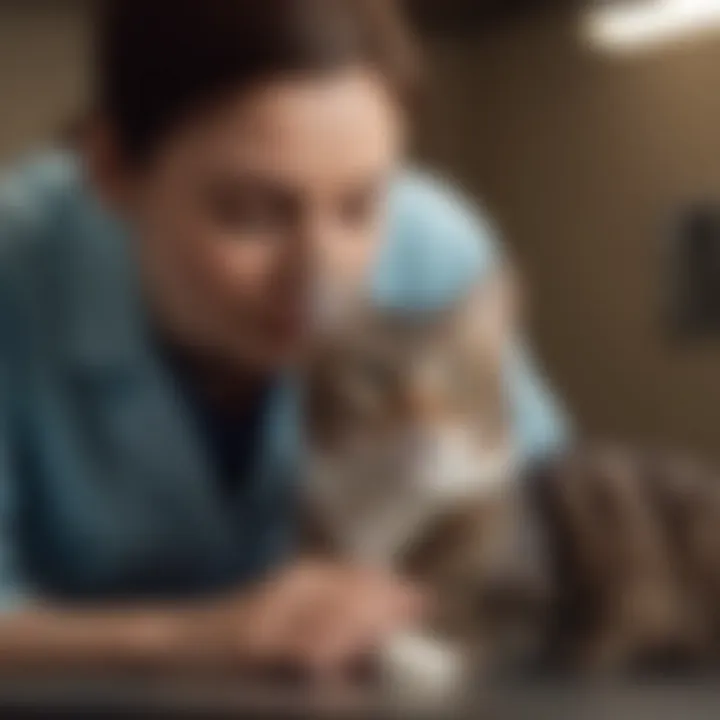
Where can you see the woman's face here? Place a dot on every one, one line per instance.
(243, 211)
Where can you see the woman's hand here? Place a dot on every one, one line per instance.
(315, 618)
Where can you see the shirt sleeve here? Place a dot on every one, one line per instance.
(13, 592)
(19, 220)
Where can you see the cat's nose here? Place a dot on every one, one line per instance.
(416, 442)
(419, 406)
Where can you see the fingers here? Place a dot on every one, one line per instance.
(322, 619)
(360, 619)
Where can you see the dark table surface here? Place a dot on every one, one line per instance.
(78, 698)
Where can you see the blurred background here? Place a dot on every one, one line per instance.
(585, 130)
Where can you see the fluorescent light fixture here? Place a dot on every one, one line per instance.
(634, 25)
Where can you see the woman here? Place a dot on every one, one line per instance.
(155, 289)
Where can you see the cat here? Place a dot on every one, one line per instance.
(401, 407)
(603, 559)
(412, 464)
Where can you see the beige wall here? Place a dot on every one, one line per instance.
(582, 158)
(42, 53)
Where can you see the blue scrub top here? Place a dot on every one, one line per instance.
(107, 487)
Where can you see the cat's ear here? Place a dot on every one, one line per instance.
(489, 316)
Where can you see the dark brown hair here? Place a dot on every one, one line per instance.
(159, 61)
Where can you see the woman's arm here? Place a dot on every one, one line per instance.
(312, 617)
(51, 638)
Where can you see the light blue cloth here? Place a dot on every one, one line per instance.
(105, 490)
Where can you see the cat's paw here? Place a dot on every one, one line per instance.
(421, 668)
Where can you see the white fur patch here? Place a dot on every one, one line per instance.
(422, 668)
(453, 468)
(375, 509)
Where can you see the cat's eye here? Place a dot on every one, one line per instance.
(378, 373)
(362, 206)
(360, 399)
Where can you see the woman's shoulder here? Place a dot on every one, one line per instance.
(33, 180)
(439, 243)
(33, 193)
(43, 213)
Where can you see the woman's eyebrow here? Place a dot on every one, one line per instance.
(369, 185)
(253, 181)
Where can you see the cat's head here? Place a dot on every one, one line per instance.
(401, 385)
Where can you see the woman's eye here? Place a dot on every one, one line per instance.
(249, 211)
(246, 216)
(360, 209)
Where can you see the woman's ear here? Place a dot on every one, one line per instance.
(106, 168)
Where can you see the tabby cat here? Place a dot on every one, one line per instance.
(600, 560)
